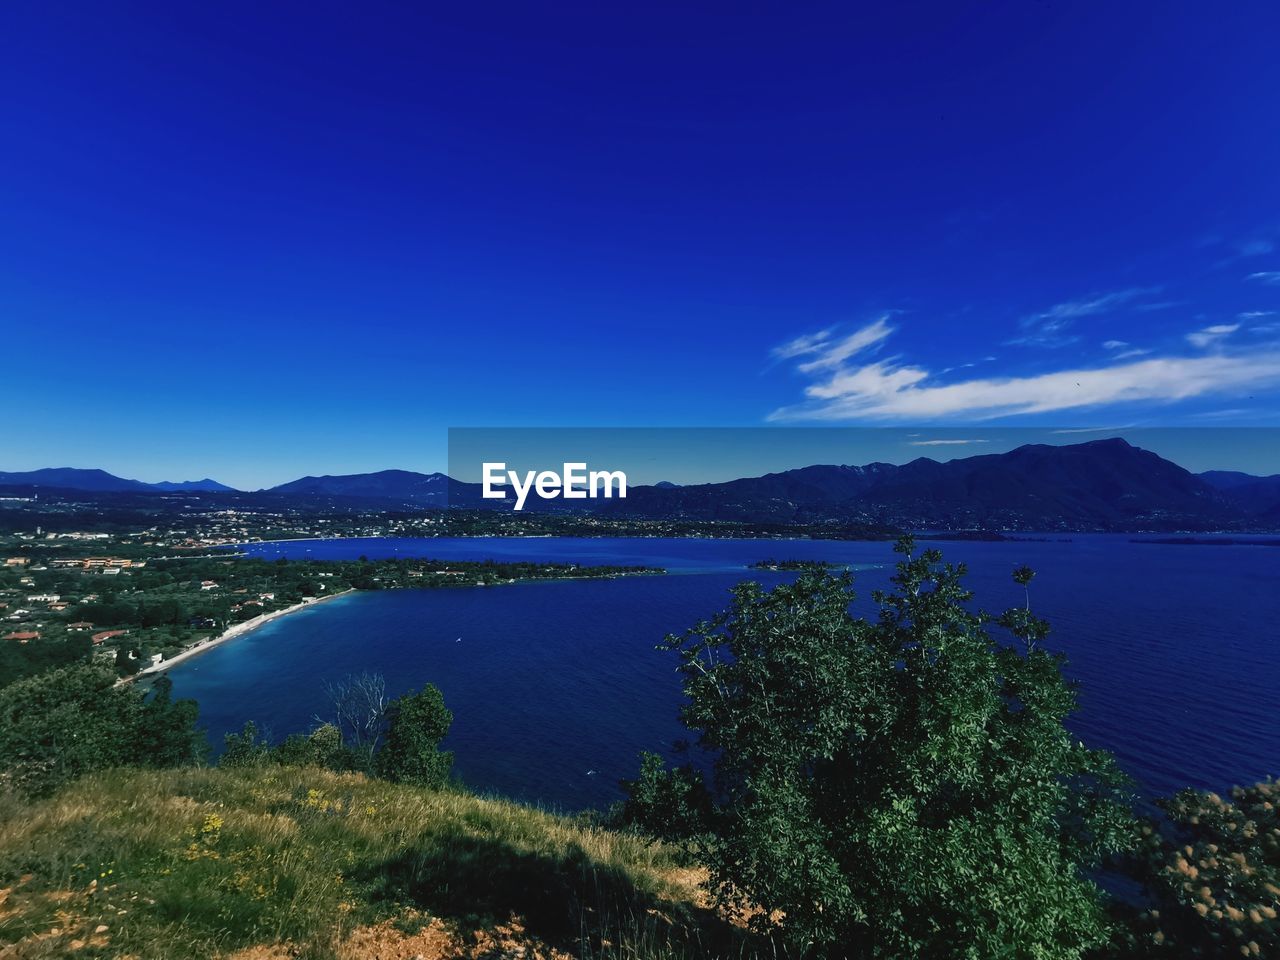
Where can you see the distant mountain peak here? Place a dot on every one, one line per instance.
(99, 481)
(206, 485)
(403, 485)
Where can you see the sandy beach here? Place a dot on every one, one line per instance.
(235, 630)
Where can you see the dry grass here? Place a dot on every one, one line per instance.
(307, 863)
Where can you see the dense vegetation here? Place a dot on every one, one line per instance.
(896, 788)
(900, 787)
(62, 724)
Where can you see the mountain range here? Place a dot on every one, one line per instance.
(1102, 484)
(74, 478)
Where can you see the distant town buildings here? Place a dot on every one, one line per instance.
(99, 563)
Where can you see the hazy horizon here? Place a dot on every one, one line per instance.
(710, 455)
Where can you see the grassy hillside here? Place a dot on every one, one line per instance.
(273, 863)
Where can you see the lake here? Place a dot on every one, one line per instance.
(556, 687)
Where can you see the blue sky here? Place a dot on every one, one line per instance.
(260, 241)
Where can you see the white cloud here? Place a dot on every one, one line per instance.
(1047, 337)
(1269, 277)
(1211, 335)
(1045, 329)
(1114, 344)
(944, 443)
(801, 346)
(1255, 248)
(1255, 314)
(1126, 354)
(829, 354)
(888, 390)
(1061, 314)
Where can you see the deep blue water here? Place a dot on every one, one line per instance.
(1175, 648)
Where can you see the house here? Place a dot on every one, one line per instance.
(266, 596)
(107, 635)
(43, 598)
(80, 626)
(22, 636)
(110, 571)
(17, 561)
(208, 585)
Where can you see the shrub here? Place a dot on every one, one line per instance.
(59, 725)
(1213, 875)
(668, 804)
(417, 722)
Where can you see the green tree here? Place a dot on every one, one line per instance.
(244, 749)
(417, 722)
(903, 787)
(669, 804)
(127, 665)
(67, 722)
(322, 747)
(167, 733)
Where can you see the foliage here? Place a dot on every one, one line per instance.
(349, 742)
(903, 787)
(71, 721)
(127, 662)
(322, 747)
(673, 805)
(18, 660)
(167, 733)
(416, 723)
(1212, 872)
(245, 749)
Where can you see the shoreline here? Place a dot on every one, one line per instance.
(232, 632)
(248, 626)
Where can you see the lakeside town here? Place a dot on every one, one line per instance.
(133, 601)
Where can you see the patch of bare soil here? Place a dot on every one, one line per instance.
(436, 940)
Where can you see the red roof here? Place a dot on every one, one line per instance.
(107, 635)
(24, 635)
